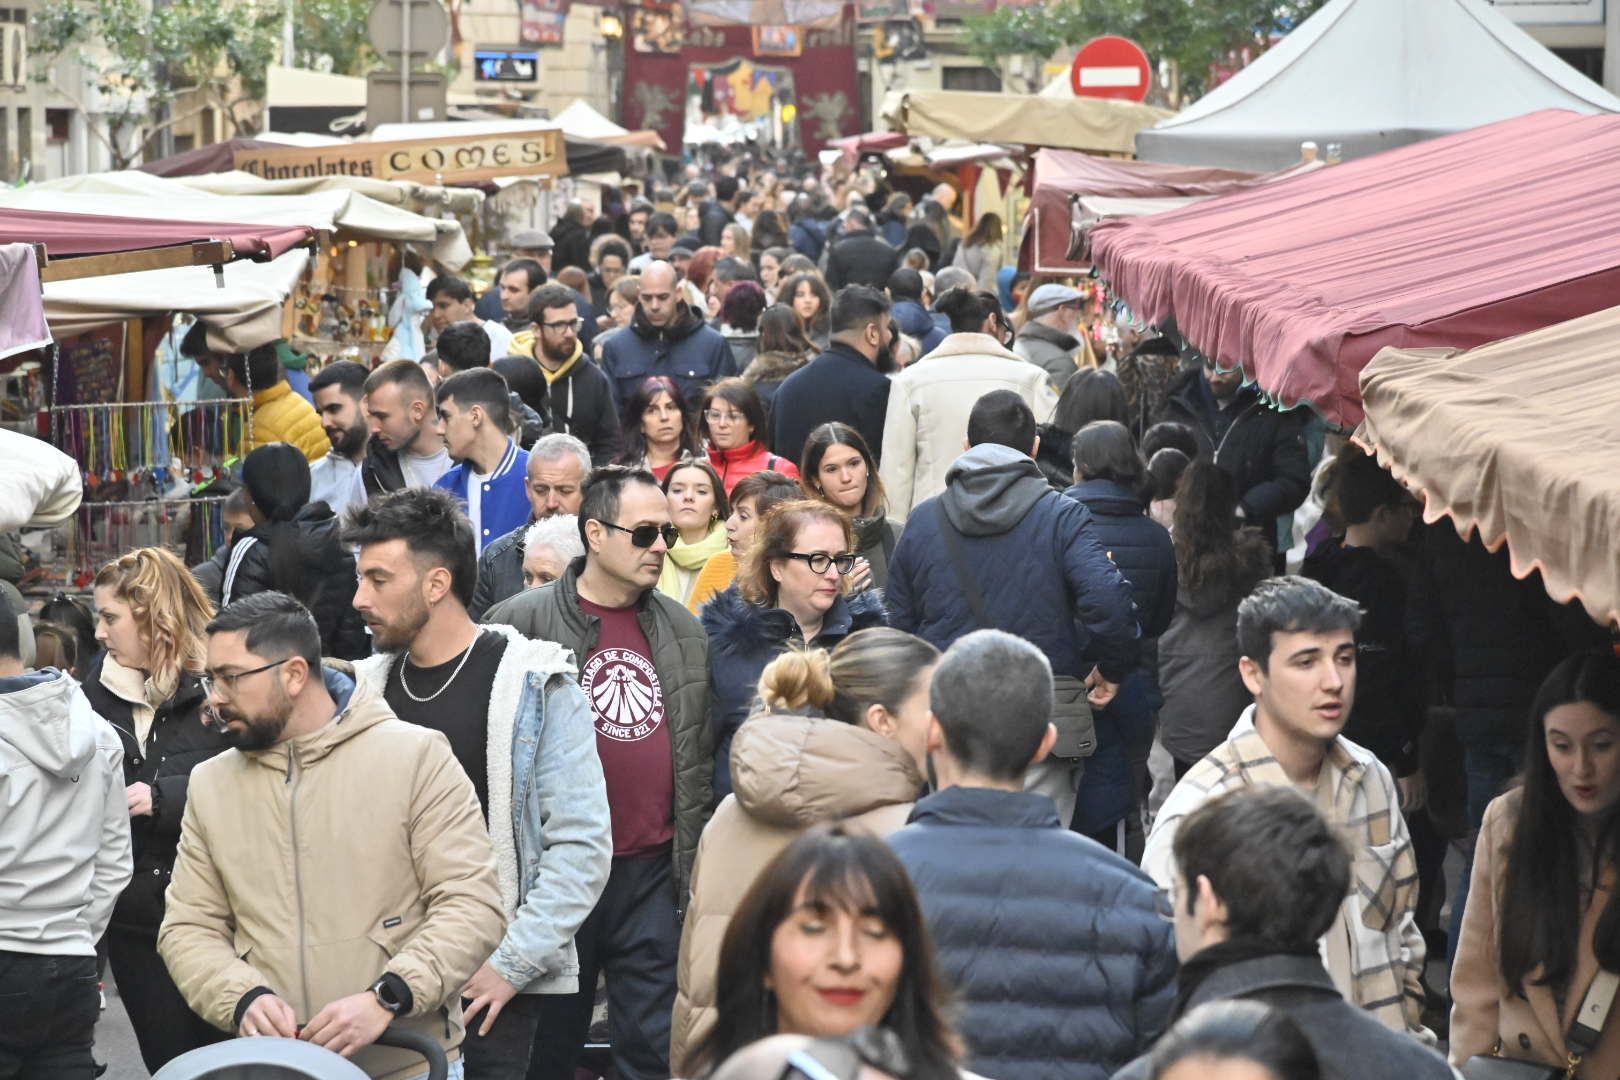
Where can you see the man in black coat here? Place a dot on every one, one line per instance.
(845, 383)
(719, 212)
(860, 256)
(666, 337)
(1259, 878)
(1263, 450)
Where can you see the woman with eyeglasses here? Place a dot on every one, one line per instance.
(656, 427)
(789, 593)
(698, 507)
(829, 939)
(151, 617)
(839, 736)
(838, 469)
(732, 422)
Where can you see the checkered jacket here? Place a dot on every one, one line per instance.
(1386, 948)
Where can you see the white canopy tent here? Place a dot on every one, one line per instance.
(1370, 75)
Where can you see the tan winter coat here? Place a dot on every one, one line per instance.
(315, 866)
(1484, 1011)
(789, 773)
(925, 428)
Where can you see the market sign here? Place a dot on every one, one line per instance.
(456, 159)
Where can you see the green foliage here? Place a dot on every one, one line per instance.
(1192, 34)
(334, 30)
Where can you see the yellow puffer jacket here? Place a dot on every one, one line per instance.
(279, 415)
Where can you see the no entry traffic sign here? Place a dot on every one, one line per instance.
(1111, 67)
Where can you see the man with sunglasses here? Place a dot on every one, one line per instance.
(643, 663)
(334, 875)
(581, 396)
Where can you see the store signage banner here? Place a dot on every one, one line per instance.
(453, 160)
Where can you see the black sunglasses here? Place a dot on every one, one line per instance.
(819, 561)
(644, 536)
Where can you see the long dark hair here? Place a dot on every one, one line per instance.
(634, 442)
(825, 437)
(1212, 553)
(1090, 394)
(1541, 887)
(780, 332)
(786, 291)
(838, 867)
(277, 480)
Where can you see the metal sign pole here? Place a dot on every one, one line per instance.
(405, 63)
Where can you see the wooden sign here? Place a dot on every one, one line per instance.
(451, 160)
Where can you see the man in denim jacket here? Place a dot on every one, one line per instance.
(531, 754)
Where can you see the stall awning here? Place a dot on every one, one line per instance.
(1095, 124)
(1062, 176)
(67, 235)
(1516, 440)
(1454, 242)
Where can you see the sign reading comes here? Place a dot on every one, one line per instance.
(452, 160)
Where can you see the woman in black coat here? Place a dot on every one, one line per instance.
(786, 594)
(150, 619)
(294, 547)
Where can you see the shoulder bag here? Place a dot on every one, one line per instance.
(1071, 709)
(1583, 1036)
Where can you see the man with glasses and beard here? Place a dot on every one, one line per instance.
(338, 391)
(581, 396)
(643, 663)
(334, 874)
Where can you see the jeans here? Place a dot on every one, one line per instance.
(458, 1067)
(634, 936)
(1490, 764)
(504, 1053)
(48, 1012)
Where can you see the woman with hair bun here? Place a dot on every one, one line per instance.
(839, 736)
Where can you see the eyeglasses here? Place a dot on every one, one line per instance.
(228, 682)
(644, 536)
(566, 324)
(1164, 904)
(819, 561)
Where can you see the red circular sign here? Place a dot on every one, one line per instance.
(1111, 67)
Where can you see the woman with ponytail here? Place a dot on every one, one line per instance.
(293, 548)
(837, 736)
(151, 616)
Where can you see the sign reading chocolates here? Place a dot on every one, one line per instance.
(451, 160)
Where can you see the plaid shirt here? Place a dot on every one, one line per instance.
(1386, 949)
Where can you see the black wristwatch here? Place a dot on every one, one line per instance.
(391, 993)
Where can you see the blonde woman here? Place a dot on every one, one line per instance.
(151, 616)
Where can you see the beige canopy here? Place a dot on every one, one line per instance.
(1515, 439)
(1096, 125)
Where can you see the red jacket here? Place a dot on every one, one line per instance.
(745, 460)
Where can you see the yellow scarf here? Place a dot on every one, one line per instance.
(683, 562)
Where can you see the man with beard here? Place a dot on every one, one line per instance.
(666, 337)
(846, 383)
(531, 756)
(555, 483)
(406, 447)
(335, 479)
(581, 396)
(643, 663)
(334, 874)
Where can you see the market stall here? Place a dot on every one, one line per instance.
(1514, 440)
(1364, 76)
(1455, 242)
(1097, 125)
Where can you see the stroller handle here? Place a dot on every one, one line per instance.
(426, 1045)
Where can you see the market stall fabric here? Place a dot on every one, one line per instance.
(1455, 242)
(69, 234)
(1095, 124)
(1369, 75)
(1515, 440)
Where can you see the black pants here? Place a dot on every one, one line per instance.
(165, 1027)
(633, 936)
(48, 1011)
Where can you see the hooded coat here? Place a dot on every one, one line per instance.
(279, 415)
(914, 319)
(744, 638)
(64, 821)
(792, 772)
(688, 350)
(1035, 558)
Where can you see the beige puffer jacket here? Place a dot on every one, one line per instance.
(315, 866)
(925, 428)
(789, 773)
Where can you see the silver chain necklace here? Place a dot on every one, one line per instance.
(403, 685)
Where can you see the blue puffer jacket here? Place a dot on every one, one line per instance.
(743, 639)
(1141, 548)
(915, 320)
(1066, 976)
(1035, 557)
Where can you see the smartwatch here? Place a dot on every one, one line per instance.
(387, 991)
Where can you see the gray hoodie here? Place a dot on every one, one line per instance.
(64, 822)
(990, 488)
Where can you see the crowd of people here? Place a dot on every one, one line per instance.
(753, 624)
